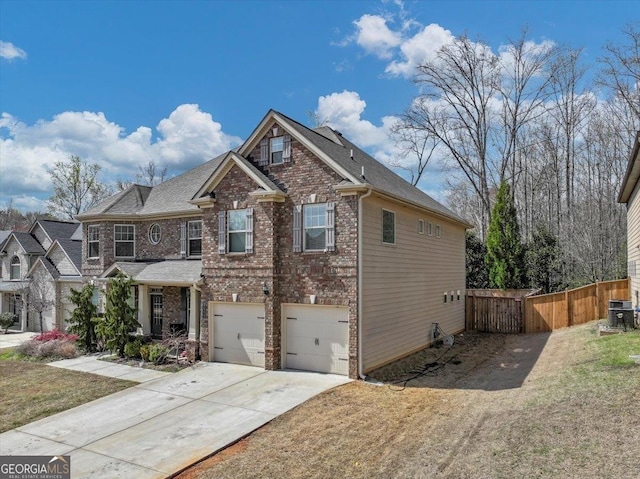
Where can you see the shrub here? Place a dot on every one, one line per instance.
(53, 349)
(132, 349)
(7, 320)
(144, 352)
(158, 353)
(55, 334)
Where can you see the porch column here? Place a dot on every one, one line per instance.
(143, 308)
(24, 313)
(194, 314)
(1, 302)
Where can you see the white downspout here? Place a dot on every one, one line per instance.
(360, 255)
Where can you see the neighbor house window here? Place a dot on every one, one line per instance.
(315, 227)
(438, 231)
(155, 233)
(237, 231)
(430, 228)
(14, 272)
(124, 239)
(93, 241)
(276, 148)
(421, 227)
(388, 227)
(194, 239)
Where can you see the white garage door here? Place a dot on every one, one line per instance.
(317, 338)
(238, 333)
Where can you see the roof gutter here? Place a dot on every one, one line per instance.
(360, 293)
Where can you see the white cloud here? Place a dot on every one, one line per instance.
(421, 47)
(375, 37)
(186, 138)
(9, 51)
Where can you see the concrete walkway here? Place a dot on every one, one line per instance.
(14, 338)
(164, 425)
(90, 364)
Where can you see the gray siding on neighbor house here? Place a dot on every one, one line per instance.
(41, 236)
(403, 284)
(62, 263)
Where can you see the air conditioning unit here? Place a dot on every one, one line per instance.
(619, 304)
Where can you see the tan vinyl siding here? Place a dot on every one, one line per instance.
(403, 284)
(633, 242)
(62, 262)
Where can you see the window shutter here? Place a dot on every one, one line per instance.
(286, 149)
(183, 240)
(248, 247)
(264, 152)
(297, 229)
(331, 220)
(222, 232)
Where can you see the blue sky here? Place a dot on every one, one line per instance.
(120, 83)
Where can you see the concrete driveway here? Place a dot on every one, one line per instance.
(162, 426)
(14, 338)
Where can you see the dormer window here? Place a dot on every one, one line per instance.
(14, 271)
(276, 148)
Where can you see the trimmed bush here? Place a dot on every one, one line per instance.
(158, 353)
(7, 320)
(53, 349)
(132, 349)
(144, 352)
(55, 334)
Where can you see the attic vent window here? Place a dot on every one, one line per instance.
(155, 233)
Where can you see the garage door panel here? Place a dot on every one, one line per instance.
(317, 338)
(238, 333)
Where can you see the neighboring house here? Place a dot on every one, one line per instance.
(295, 250)
(51, 252)
(630, 196)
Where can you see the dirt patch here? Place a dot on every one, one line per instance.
(492, 406)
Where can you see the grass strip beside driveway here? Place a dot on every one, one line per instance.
(31, 390)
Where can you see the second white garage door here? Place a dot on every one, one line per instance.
(317, 338)
(238, 333)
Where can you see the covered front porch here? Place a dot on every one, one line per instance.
(166, 296)
(13, 300)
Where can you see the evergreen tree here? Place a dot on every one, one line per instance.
(119, 318)
(477, 274)
(505, 255)
(543, 261)
(82, 317)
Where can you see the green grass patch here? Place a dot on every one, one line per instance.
(32, 390)
(613, 351)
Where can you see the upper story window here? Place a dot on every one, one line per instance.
(124, 241)
(235, 231)
(388, 227)
(194, 238)
(314, 227)
(438, 231)
(93, 241)
(421, 226)
(155, 233)
(275, 151)
(430, 228)
(14, 271)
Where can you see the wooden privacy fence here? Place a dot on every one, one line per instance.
(516, 311)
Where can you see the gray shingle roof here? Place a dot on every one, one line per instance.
(171, 272)
(375, 173)
(77, 234)
(58, 229)
(50, 267)
(28, 243)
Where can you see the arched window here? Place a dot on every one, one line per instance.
(14, 272)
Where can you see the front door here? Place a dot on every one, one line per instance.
(156, 313)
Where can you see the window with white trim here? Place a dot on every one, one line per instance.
(93, 241)
(124, 241)
(155, 233)
(276, 147)
(194, 238)
(275, 151)
(14, 271)
(237, 231)
(438, 231)
(388, 227)
(430, 228)
(421, 227)
(315, 227)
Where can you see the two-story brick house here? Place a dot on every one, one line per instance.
(307, 254)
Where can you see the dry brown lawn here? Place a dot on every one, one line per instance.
(31, 390)
(495, 406)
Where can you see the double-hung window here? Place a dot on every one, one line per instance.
(93, 241)
(388, 227)
(315, 227)
(275, 151)
(237, 233)
(276, 147)
(14, 272)
(194, 240)
(124, 241)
